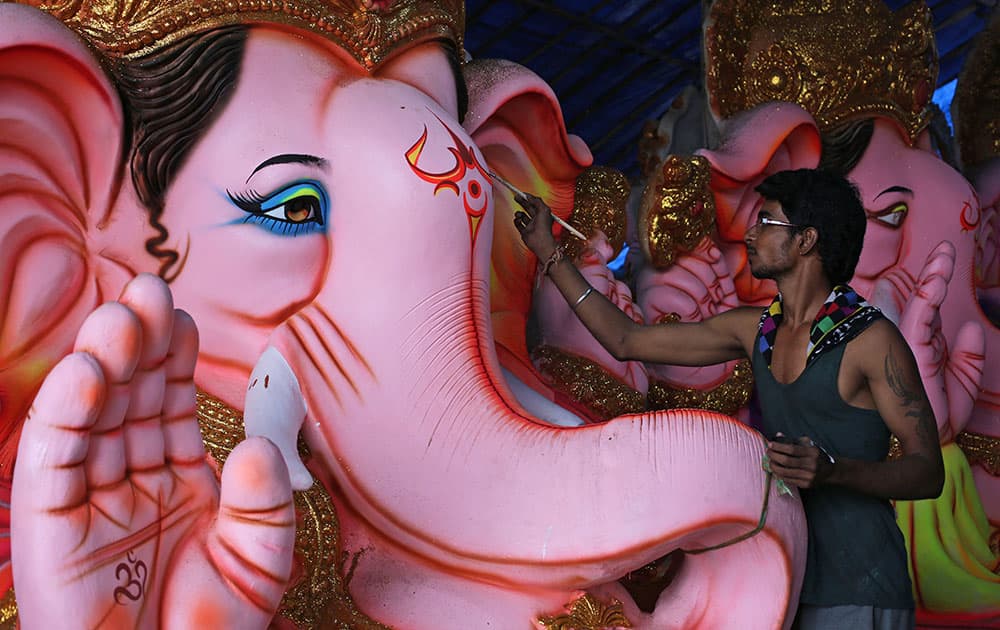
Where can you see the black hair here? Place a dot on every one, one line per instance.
(829, 203)
(844, 145)
(172, 96)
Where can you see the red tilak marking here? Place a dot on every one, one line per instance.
(472, 190)
(970, 216)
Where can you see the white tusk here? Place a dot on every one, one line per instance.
(275, 409)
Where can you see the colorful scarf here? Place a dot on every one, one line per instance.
(844, 315)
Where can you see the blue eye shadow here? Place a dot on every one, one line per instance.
(256, 206)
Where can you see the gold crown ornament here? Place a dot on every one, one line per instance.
(977, 99)
(370, 30)
(840, 60)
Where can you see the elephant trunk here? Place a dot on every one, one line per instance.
(432, 452)
(410, 416)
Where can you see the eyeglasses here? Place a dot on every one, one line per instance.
(770, 221)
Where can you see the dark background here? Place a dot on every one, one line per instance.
(614, 64)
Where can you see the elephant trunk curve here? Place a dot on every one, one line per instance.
(432, 452)
(410, 416)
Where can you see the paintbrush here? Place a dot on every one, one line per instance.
(517, 193)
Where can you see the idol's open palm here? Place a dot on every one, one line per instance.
(952, 375)
(117, 517)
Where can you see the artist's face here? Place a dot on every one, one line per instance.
(769, 242)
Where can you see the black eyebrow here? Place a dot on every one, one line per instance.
(290, 158)
(900, 189)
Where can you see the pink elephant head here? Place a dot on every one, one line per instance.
(977, 134)
(305, 185)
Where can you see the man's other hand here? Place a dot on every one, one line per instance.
(800, 463)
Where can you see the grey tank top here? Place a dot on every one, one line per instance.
(856, 553)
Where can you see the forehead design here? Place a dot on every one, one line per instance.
(466, 179)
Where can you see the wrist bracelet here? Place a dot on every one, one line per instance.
(554, 257)
(583, 297)
(823, 450)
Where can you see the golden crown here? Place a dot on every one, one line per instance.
(977, 99)
(839, 60)
(370, 30)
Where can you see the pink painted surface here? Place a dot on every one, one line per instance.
(698, 286)
(986, 417)
(560, 328)
(464, 502)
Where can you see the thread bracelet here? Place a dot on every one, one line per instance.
(554, 257)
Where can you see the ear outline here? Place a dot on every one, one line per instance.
(60, 173)
(812, 245)
(757, 143)
(35, 32)
(515, 119)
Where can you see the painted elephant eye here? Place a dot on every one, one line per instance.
(296, 209)
(892, 216)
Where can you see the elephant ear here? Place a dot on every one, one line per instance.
(60, 152)
(515, 120)
(755, 143)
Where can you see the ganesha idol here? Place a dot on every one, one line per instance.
(977, 132)
(266, 218)
(846, 86)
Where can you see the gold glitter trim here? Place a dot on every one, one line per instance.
(895, 448)
(839, 60)
(587, 383)
(981, 449)
(370, 30)
(599, 204)
(221, 427)
(319, 599)
(668, 318)
(8, 611)
(677, 210)
(977, 99)
(588, 613)
(728, 397)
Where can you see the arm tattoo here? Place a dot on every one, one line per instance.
(916, 405)
(894, 376)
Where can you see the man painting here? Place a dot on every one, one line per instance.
(834, 379)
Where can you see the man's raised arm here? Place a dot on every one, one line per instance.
(721, 338)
